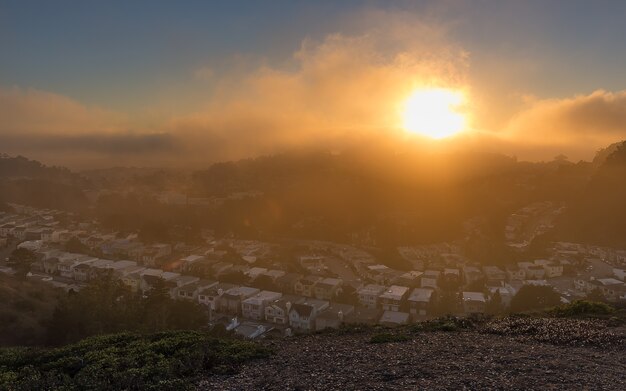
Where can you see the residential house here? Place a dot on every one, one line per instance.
(191, 291)
(81, 272)
(451, 277)
(515, 273)
(230, 301)
(287, 282)
(302, 315)
(362, 315)
(274, 274)
(393, 298)
(186, 264)
(506, 293)
(494, 273)
(611, 288)
(312, 262)
(394, 318)
(254, 272)
(369, 294)
(333, 316)
(535, 272)
(420, 302)
(620, 274)
(122, 268)
(412, 279)
(221, 268)
(156, 254)
(68, 261)
(6, 229)
(210, 296)
(278, 310)
(552, 269)
(306, 286)
(250, 330)
(46, 235)
(254, 306)
(327, 288)
(50, 265)
(474, 302)
(180, 282)
(133, 279)
(430, 279)
(472, 274)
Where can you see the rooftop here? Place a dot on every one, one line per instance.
(421, 295)
(394, 292)
(474, 296)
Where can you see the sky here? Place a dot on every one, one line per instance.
(145, 82)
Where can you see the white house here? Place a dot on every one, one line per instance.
(392, 298)
(254, 306)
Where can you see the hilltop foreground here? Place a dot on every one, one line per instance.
(511, 354)
(514, 353)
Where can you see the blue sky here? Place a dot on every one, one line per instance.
(97, 51)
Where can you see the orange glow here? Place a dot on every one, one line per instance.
(434, 113)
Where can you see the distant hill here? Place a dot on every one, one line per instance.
(412, 196)
(598, 214)
(30, 182)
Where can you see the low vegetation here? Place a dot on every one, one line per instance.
(582, 308)
(25, 310)
(172, 360)
(448, 323)
(388, 337)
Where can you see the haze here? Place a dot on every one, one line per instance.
(163, 84)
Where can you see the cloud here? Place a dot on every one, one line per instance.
(342, 87)
(60, 130)
(35, 112)
(577, 126)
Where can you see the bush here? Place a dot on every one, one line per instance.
(450, 323)
(582, 308)
(388, 337)
(164, 361)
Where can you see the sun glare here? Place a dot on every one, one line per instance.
(434, 113)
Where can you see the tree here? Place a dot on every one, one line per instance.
(347, 295)
(76, 246)
(449, 303)
(479, 285)
(265, 282)
(234, 277)
(596, 295)
(495, 305)
(535, 297)
(21, 260)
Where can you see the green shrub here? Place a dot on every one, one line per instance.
(448, 324)
(164, 361)
(582, 308)
(388, 337)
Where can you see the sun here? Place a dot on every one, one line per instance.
(434, 113)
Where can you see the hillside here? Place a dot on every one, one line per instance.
(25, 308)
(32, 183)
(597, 215)
(511, 354)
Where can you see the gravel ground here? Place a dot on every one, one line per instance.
(519, 354)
